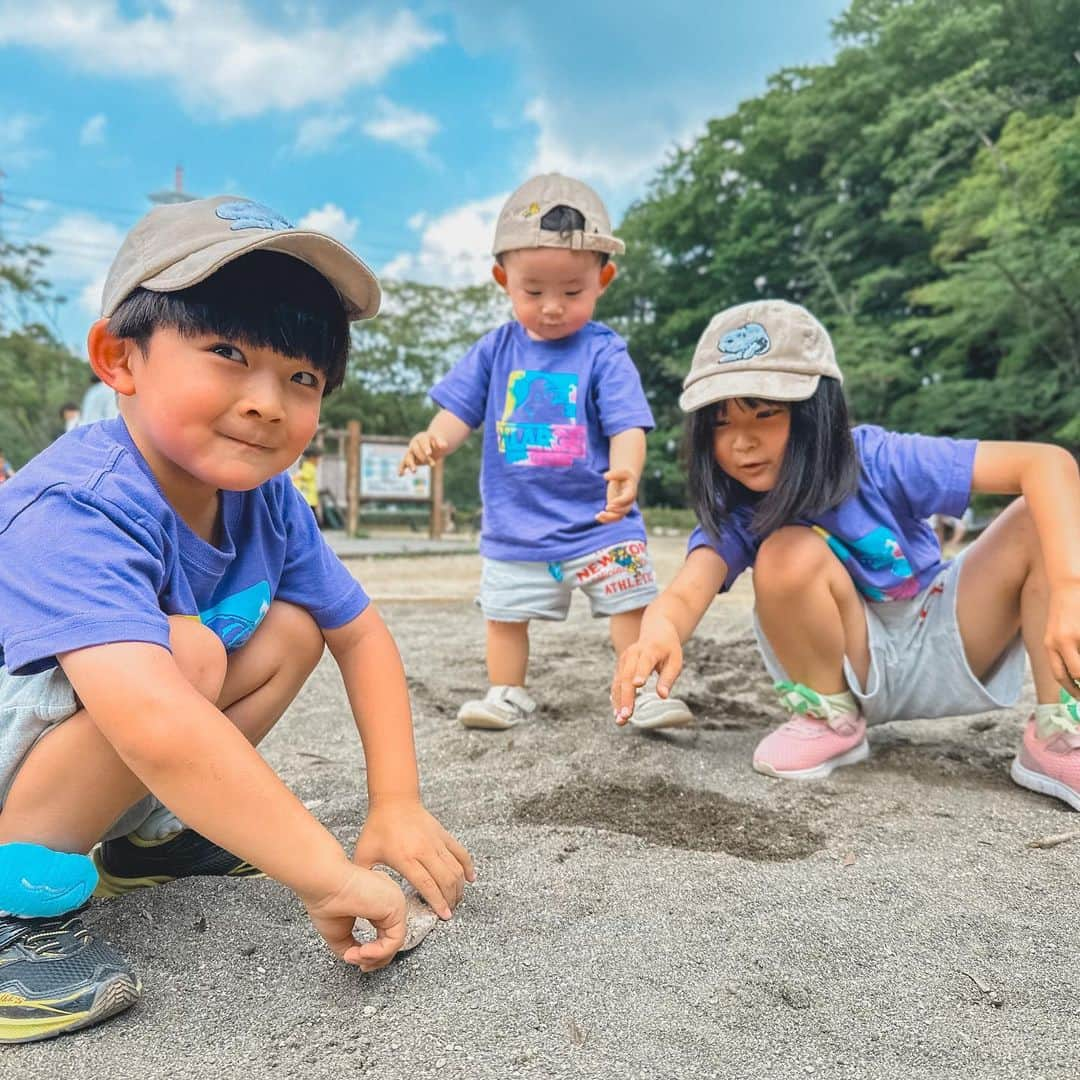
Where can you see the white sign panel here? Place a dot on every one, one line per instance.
(379, 474)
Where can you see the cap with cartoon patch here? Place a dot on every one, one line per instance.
(767, 349)
(519, 220)
(174, 247)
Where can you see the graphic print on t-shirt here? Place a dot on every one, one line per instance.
(878, 550)
(539, 425)
(236, 618)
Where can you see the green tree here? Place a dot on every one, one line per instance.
(37, 373)
(1007, 306)
(842, 188)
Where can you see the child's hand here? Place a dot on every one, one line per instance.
(363, 894)
(402, 834)
(424, 449)
(621, 492)
(1062, 637)
(658, 648)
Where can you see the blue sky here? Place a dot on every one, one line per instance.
(398, 128)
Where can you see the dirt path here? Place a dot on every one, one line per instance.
(648, 906)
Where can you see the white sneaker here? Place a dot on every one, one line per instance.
(502, 707)
(653, 711)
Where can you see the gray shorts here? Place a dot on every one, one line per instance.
(615, 579)
(30, 707)
(918, 669)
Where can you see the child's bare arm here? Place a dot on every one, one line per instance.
(191, 756)
(1048, 478)
(443, 436)
(398, 830)
(626, 459)
(669, 621)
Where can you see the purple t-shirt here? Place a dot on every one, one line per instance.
(549, 409)
(91, 553)
(880, 533)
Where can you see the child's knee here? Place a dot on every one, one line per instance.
(294, 625)
(199, 654)
(788, 560)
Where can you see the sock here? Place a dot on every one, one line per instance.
(36, 881)
(1064, 715)
(160, 824)
(806, 702)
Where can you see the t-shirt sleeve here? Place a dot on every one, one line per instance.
(313, 577)
(620, 400)
(464, 390)
(77, 571)
(736, 547)
(922, 474)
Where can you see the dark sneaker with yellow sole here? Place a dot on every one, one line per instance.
(55, 976)
(131, 862)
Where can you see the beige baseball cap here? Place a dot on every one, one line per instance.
(176, 246)
(519, 220)
(767, 349)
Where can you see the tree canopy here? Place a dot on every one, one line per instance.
(918, 194)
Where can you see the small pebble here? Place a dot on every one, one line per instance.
(369, 1010)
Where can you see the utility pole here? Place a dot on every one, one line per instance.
(175, 194)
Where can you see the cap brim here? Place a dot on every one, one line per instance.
(353, 279)
(767, 385)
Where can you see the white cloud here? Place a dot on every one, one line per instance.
(221, 54)
(609, 160)
(93, 131)
(650, 79)
(317, 134)
(398, 124)
(333, 220)
(455, 247)
(82, 250)
(15, 149)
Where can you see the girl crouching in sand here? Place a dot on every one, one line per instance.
(857, 617)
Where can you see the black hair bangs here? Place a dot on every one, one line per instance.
(820, 467)
(265, 299)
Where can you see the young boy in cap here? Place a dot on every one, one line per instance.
(564, 421)
(165, 593)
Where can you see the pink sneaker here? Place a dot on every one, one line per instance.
(1050, 766)
(806, 748)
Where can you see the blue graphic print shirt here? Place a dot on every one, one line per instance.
(880, 533)
(91, 553)
(549, 410)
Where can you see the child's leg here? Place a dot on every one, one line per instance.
(625, 629)
(266, 674)
(261, 680)
(1003, 589)
(507, 652)
(813, 617)
(810, 610)
(73, 785)
(506, 703)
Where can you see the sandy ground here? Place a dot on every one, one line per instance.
(648, 906)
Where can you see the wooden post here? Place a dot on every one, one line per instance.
(352, 477)
(436, 500)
